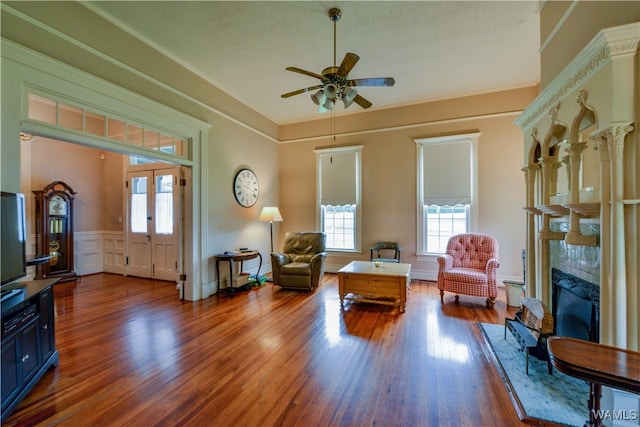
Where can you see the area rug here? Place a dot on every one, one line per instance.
(557, 398)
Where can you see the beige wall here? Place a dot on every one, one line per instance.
(98, 183)
(567, 27)
(389, 172)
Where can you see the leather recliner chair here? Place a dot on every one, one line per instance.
(300, 265)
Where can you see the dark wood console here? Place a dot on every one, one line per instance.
(28, 338)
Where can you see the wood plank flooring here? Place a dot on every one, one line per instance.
(131, 353)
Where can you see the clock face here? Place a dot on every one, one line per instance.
(57, 206)
(245, 188)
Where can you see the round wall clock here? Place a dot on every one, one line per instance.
(245, 188)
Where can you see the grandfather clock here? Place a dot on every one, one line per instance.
(54, 230)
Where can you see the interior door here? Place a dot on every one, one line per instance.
(153, 223)
(165, 221)
(138, 227)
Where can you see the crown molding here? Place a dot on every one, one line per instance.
(607, 44)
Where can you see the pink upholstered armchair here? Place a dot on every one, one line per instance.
(469, 267)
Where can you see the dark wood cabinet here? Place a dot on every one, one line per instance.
(28, 339)
(47, 337)
(54, 230)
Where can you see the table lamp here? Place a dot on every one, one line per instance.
(270, 214)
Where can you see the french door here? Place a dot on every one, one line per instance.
(153, 226)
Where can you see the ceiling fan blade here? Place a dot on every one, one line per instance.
(349, 61)
(299, 91)
(375, 81)
(305, 72)
(362, 102)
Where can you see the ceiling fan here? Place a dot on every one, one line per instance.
(334, 81)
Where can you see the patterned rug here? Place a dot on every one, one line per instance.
(556, 398)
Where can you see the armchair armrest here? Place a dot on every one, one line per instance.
(492, 270)
(279, 259)
(317, 258)
(445, 262)
(492, 266)
(316, 264)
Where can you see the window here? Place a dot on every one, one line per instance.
(66, 116)
(338, 181)
(446, 190)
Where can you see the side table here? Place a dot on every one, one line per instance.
(233, 257)
(598, 364)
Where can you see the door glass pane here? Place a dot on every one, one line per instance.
(164, 204)
(139, 205)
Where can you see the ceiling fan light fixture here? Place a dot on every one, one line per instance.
(331, 91)
(350, 93)
(318, 98)
(348, 96)
(328, 104)
(334, 80)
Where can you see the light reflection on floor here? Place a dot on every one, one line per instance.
(448, 348)
(152, 342)
(332, 322)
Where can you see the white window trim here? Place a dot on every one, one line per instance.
(473, 209)
(357, 149)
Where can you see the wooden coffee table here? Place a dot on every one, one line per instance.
(386, 284)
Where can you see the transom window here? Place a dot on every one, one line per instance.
(446, 176)
(339, 211)
(67, 116)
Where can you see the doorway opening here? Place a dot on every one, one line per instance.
(104, 209)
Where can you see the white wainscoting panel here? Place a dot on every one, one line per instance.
(114, 252)
(88, 258)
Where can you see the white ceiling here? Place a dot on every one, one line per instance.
(433, 49)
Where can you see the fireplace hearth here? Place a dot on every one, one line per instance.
(575, 306)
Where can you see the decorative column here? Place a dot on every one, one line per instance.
(532, 288)
(613, 288)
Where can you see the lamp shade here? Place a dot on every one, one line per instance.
(270, 214)
(348, 97)
(318, 98)
(330, 91)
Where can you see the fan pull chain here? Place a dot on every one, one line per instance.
(333, 134)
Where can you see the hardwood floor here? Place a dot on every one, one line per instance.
(132, 354)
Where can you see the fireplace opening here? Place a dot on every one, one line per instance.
(575, 306)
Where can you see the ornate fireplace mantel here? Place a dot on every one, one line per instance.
(600, 146)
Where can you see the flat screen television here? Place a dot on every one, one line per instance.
(13, 246)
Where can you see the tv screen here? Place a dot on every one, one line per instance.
(13, 246)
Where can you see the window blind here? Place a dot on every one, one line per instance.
(447, 173)
(338, 178)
